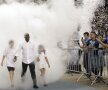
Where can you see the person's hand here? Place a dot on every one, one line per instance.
(85, 49)
(82, 39)
(98, 39)
(15, 59)
(2, 64)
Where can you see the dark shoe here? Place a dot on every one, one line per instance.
(23, 79)
(98, 79)
(35, 87)
(45, 85)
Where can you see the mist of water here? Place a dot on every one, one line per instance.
(47, 25)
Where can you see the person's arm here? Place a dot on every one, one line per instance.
(84, 44)
(82, 40)
(103, 44)
(106, 45)
(47, 61)
(2, 60)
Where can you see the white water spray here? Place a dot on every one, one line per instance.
(46, 26)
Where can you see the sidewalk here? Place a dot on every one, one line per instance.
(84, 81)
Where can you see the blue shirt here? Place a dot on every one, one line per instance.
(94, 43)
(86, 41)
(106, 40)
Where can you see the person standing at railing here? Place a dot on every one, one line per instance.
(85, 42)
(105, 45)
(101, 55)
(93, 46)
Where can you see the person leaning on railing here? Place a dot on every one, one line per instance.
(85, 42)
(101, 54)
(93, 46)
(105, 45)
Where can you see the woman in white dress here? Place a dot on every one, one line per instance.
(43, 61)
(11, 58)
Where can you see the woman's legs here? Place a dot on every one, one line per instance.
(43, 75)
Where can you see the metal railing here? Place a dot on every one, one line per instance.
(92, 63)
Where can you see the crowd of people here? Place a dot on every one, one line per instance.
(94, 47)
(28, 59)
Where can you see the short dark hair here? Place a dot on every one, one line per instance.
(26, 34)
(11, 41)
(86, 33)
(94, 33)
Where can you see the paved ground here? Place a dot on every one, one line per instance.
(64, 85)
(67, 85)
(68, 82)
(61, 85)
(85, 81)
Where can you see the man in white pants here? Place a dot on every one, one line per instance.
(28, 54)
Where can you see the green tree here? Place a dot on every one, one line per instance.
(100, 20)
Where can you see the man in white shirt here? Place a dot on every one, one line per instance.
(28, 55)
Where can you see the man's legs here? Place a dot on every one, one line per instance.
(33, 74)
(24, 69)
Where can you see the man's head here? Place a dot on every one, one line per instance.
(11, 43)
(93, 35)
(27, 37)
(86, 35)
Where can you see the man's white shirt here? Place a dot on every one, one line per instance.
(28, 52)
